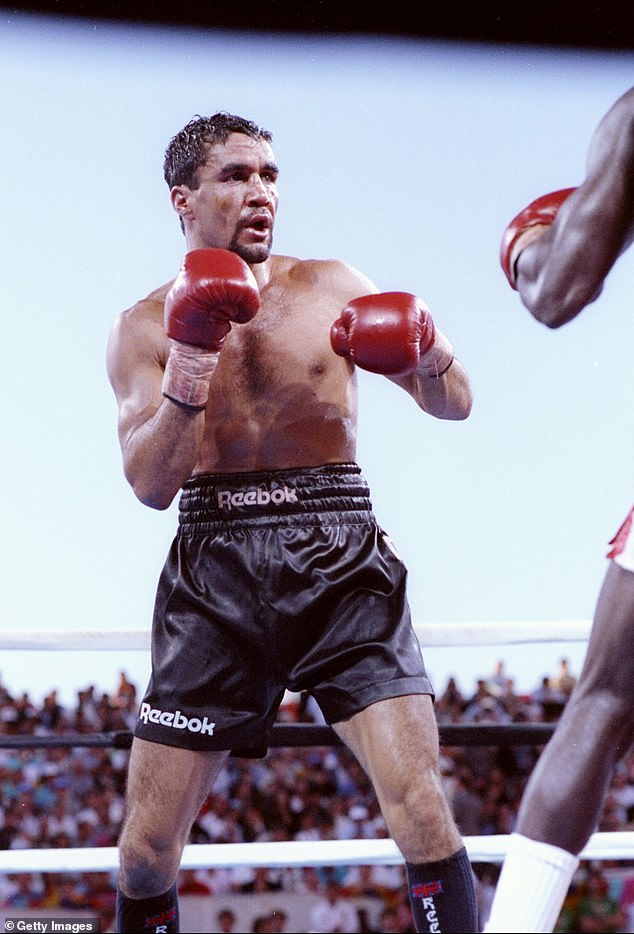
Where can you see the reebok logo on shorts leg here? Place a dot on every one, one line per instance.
(256, 496)
(176, 720)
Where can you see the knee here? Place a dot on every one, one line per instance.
(601, 710)
(616, 705)
(421, 822)
(147, 866)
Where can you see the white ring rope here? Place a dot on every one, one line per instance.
(429, 634)
(486, 849)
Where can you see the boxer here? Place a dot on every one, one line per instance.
(236, 385)
(557, 253)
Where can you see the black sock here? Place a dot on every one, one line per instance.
(158, 914)
(442, 895)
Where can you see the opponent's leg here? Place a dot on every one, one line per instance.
(564, 795)
(165, 791)
(396, 742)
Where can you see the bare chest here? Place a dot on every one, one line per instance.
(275, 351)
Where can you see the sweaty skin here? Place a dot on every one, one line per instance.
(280, 397)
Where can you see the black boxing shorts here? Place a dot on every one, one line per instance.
(275, 580)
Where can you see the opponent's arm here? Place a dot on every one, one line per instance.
(558, 251)
(161, 371)
(393, 333)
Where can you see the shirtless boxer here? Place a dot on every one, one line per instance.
(236, 388)
(557, 253)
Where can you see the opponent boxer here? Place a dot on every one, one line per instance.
(557, 253)
(236, 386)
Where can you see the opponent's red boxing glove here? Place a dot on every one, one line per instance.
(212, 289)
(527, 226)
(392, 333)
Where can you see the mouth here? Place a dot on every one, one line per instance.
(259, 223)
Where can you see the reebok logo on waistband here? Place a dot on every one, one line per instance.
(256, 496)
(177, 720)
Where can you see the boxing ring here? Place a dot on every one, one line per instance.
(481, 849)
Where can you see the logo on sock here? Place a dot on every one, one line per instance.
(425, 891)
(158, 923)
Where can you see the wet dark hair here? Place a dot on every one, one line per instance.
(186, 151)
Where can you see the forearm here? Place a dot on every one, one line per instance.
(161, 453)
(393, 333)
(563, 270)
(447, 397)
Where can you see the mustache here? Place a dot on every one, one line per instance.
(260, 219)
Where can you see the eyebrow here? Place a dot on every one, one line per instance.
(232, 167)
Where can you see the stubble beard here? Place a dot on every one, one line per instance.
(253, 253)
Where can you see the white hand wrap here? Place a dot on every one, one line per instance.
(438, 358)
(187, 374)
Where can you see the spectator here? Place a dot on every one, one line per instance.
(191, 882)
(486, 875)
(47, 795)
(278, 921)
(496, 682)
(226, 919)
(564, 681)
(51, 713)
(597, 910)
(262, 924)
(549, 699)
(386, 882)
(333, 912)
(389, 921)
(27, 891)
(484, 705)
(451, 703)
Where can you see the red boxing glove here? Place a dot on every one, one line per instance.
(392, 333)
(526, 227)
(212, 289)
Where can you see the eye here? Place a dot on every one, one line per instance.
(270, 176)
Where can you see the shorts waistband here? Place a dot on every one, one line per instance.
(226, 497)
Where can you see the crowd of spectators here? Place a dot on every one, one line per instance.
(73, 796)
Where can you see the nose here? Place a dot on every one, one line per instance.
(258, 192)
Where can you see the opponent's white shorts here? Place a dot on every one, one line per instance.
(622, 550)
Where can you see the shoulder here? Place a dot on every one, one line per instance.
(143, 312)
(331, 274)
(138, 327)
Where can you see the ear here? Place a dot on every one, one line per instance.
(179, 196)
